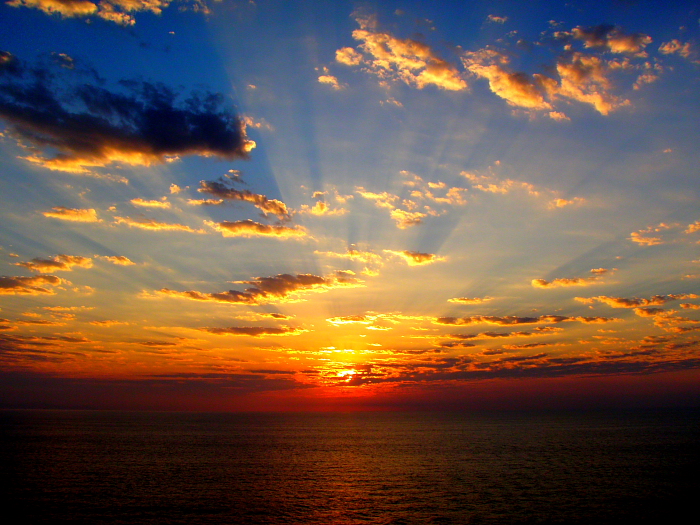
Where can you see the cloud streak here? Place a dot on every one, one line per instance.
(277, 289)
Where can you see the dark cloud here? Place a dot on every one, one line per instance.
(88, 125)
(508, 320)
(225, 189)
(254, 331)
(279, 288)
(33, 285)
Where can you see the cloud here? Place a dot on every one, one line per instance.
(635, 302)
(72, 214)
(254, 331)
(56, 263)
(692, 228)
(469, 300)
(33, 285)
(145, 223)
(416, 258)
(497, 19)
(248, 228)
(516, 88)
(118, 11)
(224, 189)
(278, 289)
(582, 77)
(119, 260)
(509, 320)
(163, 203)
(675, 46)
(612, 39)
(90, 126)
(407, 60)
(320, 208)
(596, 278)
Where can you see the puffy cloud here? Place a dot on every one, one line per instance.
(277, 289)
(163, 203)
(248, 228)
(649, 236)
(119, 260)
(348, 56)
(89, 126)
(612, 39)
(224, 189)
(690, 306)
(72, 214)
(410, 61)
(405, 219)
(416, 258)
(635, 302)
(331, 81)
(692, 228)
(516, 88)
(145, 223)
(582, 77)
(64, 8)
(56, 263)
(117, 11)
(254, 331)
(675, 46)
(33, 285)
(469, 300)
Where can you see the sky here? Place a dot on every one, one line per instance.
(337, 205)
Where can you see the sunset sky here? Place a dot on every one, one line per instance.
(336, 205)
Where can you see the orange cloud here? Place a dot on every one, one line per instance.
(572, 281)
(416, 258)
(151, 203)
(72, 214)
(248, 228)
(635, 302)
(675, 46)
(57, 263)
(612, 39)
(410, 61)
(118, 11)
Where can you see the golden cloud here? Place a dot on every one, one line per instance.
(163, 203)
(73, 214)
(416, 258)
(410, 61)
(56, 263)
(248, 228)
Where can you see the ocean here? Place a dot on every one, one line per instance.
(93, 467)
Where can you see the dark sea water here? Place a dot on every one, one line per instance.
(398, 468)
